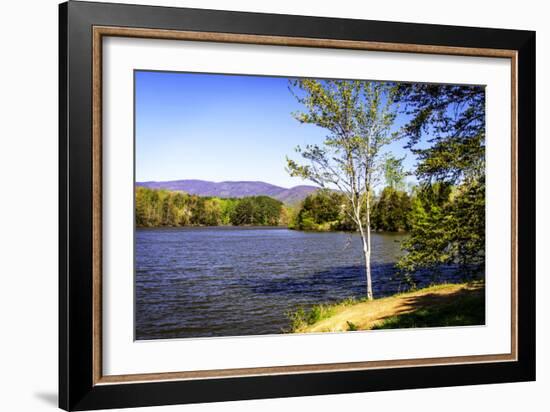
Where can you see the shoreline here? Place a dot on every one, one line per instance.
(448, 304)
(274, 227)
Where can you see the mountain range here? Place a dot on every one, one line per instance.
(234, 189)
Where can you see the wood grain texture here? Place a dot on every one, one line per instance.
(100, 31)
(298, 42)
(294, 369)
(514, 205)
(97, 206)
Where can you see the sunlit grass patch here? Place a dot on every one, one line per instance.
(433, 306)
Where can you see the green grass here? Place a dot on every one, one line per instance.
(466, 307)
(352, 326)
(301, 318)
(463, 311)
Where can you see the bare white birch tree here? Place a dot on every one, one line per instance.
(358, 116)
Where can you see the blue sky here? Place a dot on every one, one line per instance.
(221, 127)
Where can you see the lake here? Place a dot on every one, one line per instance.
(228, 281)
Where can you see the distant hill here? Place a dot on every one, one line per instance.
(234, 189)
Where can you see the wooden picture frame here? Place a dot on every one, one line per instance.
(82, 385)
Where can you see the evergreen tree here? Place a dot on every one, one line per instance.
(448, 218)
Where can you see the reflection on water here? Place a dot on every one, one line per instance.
(227, 281)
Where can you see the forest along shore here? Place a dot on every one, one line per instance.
(322, 210)
(435, 306)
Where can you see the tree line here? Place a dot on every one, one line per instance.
(391, 211)
(156, 208)
(320, 211)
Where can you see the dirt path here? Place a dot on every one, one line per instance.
(366, 315)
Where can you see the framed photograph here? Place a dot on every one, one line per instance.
(257, 206)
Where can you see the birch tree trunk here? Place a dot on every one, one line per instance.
(366, 252)
(365, 238)
(367, 248)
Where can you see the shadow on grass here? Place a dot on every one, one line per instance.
(465, 307)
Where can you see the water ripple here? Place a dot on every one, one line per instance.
(204, 282)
